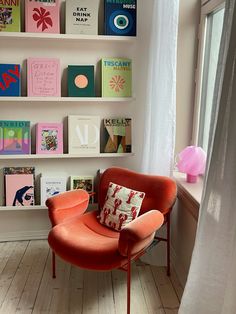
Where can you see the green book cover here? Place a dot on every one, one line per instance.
(81, 81)
(10, 15)
(116, 77)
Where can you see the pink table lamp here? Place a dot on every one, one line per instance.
(192, 161)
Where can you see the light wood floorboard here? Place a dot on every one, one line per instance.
(27, 287)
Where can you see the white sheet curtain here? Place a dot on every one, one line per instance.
(159, 137)
(211, 283)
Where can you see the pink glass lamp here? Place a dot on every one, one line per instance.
(192, 161)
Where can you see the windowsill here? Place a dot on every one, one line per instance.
(189, 193)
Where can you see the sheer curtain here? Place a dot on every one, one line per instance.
(211, 283)
(159, 137)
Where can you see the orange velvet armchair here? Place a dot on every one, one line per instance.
(80, 239)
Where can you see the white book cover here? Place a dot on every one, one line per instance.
(50, 186)
(84, 135)
(82, 17)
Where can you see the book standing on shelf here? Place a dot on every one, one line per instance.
(50, 186)
(43, 77)
(84, 134)
(10, 15)
(19, 189)
(120, 17)
(14, 137)
(49, 138)
(117, 136)
(10, 80)
(81, 81)
(82, 17)
(42, 16)
(83, 182)
(116, 77)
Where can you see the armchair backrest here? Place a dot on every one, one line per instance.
(160, 191)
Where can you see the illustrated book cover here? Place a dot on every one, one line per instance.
(10, 16)
(82, 17)
(50, 186)
(81, 81)
(49, 138)
(117, 136)
(10, 80)
(43, 77)
(42, 16)
(116, 77)
(83, 182)
(19, 189)
(84, 134)
(14, 137)
(120, 17)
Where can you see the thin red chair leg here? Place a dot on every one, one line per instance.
(128, 283)
(53, 265)
(168, 245)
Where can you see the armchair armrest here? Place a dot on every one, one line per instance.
(67, 205)
(140, 232)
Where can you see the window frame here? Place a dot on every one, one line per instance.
(207, 7)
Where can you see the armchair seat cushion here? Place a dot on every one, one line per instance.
(84, 242)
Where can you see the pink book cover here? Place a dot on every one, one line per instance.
(49, 138)
(43, 77)
(42, 16)
(19, 189)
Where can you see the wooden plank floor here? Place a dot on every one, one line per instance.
(26, 285)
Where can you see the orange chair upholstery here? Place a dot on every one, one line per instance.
(80, 239)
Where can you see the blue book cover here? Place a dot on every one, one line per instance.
(120, 17)
(9, 80)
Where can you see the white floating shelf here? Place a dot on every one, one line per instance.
(12, 208)
(68, 37)
(65, 99)
(64, 156)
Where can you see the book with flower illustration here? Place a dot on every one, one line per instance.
(116, 77)
(43, 77)
(19, 189)
(42, 16)
(10, 15)
(14, 137)
(49, 138)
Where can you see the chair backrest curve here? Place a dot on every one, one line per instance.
(160, 191)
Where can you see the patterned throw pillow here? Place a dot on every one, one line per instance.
(122, 205)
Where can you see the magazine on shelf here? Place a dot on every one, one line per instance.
(82, 17)
(116, 77)
(83, 182)
(10, 16)
(42, 16)
(10, 79)
(19, 189)
(84, 134)
(116, 135)
(43, 77)
(14, 137)
(49, 138)
(50, 186)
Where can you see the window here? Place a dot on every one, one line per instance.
(212, 17)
